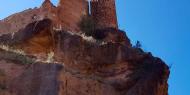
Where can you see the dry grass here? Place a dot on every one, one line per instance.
(50, 57)
(10, 49)
(8, 53)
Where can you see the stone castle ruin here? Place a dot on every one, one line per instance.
(104, 13)
(66, 15)
(70, 12)
(44, 51)
(48, 19)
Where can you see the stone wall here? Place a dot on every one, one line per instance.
(70, 12)
(104, 13)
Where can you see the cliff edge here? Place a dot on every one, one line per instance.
(39, 56)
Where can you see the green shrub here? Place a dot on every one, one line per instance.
(138, 44)
(87, 25)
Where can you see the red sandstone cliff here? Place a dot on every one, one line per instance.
(40, 56)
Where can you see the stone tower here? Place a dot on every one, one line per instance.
(70, 12)
(104, 13)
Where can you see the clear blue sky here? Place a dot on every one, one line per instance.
(163, 27)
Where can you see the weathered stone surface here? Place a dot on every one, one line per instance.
(104, 13)
(19, 21)
(147, 76)
(70, 13)
(87, 68)
(82, 65)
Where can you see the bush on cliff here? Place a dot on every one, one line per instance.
(87, 25)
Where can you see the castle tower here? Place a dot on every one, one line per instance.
(104, 13)
(70, 13)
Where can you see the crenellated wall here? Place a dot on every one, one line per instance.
(104, 13)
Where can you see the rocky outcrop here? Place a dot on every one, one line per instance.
(39, 57)
(145, 76)
(86, 67)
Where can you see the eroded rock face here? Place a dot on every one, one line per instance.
(146, 78)
(70, 12)
(82, 65)
(85, 68)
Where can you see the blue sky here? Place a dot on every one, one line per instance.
(162, 26)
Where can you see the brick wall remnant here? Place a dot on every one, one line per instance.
(70, 12)
(104, 13)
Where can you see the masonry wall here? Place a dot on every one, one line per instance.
(70, 12)
(104, 13)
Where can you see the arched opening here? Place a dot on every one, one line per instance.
(39, 37)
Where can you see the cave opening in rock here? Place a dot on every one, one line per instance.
(40, 39)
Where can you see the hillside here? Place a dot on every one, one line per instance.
(40, 57)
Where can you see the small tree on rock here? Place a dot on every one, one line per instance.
(138, 44)
(87, 25)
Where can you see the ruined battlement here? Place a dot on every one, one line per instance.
(70, 12)
(104, 13)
